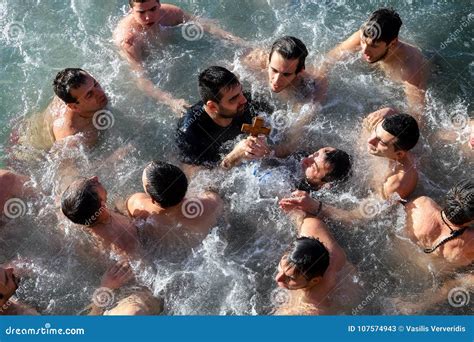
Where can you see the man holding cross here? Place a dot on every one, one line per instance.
(205, 131)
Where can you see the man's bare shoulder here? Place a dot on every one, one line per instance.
(126, 30)
(171, 15)
(415, 65)
(137, 205)
(212, 202)
(421, 203)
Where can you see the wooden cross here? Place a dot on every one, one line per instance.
(257, 127)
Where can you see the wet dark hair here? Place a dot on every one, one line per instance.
(309, 257)
(213, 80)
(290, 48)
(166, 184)
(459, 203)
(341, 166)
(383, 25)
(132, 2)
(67, 79)
(405, 128)
(80, 203)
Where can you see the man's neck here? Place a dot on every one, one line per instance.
(223, 122)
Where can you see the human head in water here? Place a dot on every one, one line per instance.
(459, 203)
(379, 34)
(394, 136)
(84, 202)
(286, 61)
(221, 92)
(79, 90)
(304, 265)
(165, 183)
(145, 12)
(9, 283)
(324, 166)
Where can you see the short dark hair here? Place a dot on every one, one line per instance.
(131, 2)
(290, 48)
(341, 166)
(166, 184)
(405, 128)
(81, 204)
(459, 203)
(383, 25)
(309, 257)
(213, 80)
(67, 79)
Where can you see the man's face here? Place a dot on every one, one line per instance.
(281, 72)
(146, 14)
(381, 143)
(373, 51)
(316, 167)
(288, 277)
(232, 103)
(90, 96)
(8, 284)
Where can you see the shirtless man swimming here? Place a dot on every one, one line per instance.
(284, 65)
(316, 272)
(164, 201)
(84, 202)
(378, 42)
(9, 284)
(392, 135)
(144, 23)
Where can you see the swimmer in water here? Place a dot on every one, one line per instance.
(323, 167)
(84, 202)
(143, 23)
(284, 65)
(316, 272)
(78, 97)
(377, 41)
(165, 205)
(217, 119)
(9, 284)
(140, 302)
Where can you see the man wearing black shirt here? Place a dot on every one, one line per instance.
(205, 133)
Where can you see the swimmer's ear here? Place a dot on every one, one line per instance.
(213, 106)
(316, 280)
(393, 43)
(400, 154)
(72, 106)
